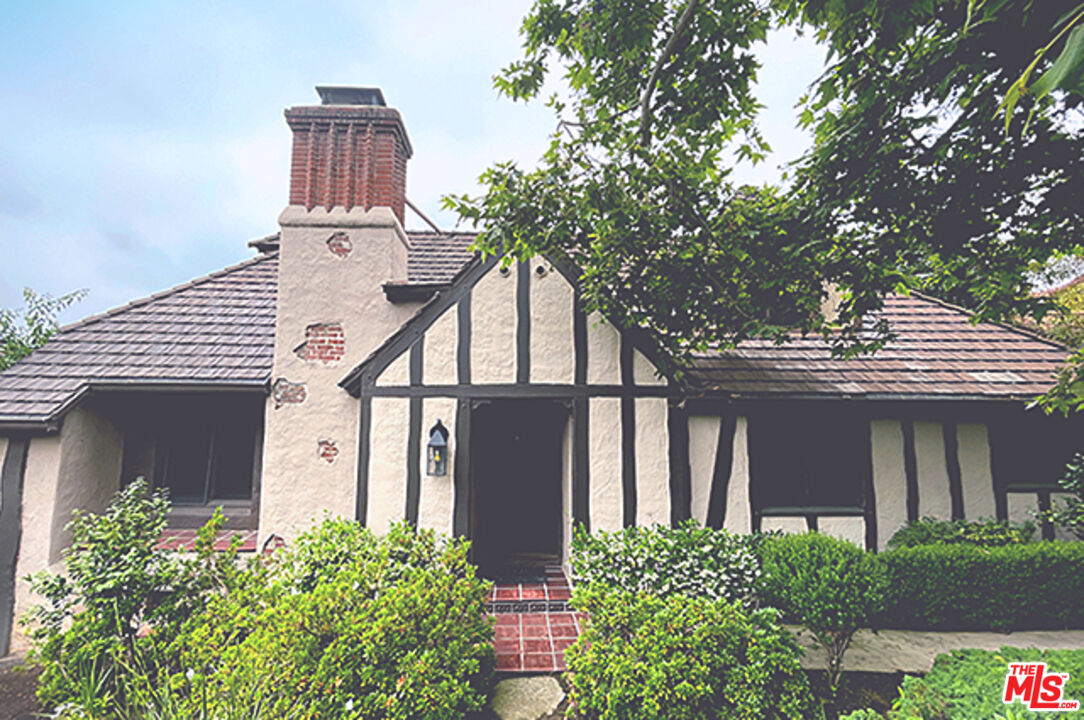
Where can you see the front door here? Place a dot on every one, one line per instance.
(516, 476)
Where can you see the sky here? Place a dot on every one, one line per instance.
(142, 144)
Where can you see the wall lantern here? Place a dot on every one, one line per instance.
(438, 450)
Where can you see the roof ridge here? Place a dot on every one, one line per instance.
(195, 282)
(1004, 326)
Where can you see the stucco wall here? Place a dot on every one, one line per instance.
(973, 450)
(552, 313)
(848, 528)
(934, 498)
(91, 451)
(652, 462)
(889, 478)
(437, 496)
(439, 350)
(606, 502)
(39, 494)
(388, 462)
(603, 351)
(493, 322)
(319, 286)
(703, 446)
(77, 469)
(738, 518)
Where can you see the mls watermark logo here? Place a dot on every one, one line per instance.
(1039, 690)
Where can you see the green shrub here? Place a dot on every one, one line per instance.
(862, 714)
(964, 587)
(984, 533)
(642, 656)
(1068, 512)
(971, 682)
(829, 585)
(348, 624)
(688, 560)
(87, 636)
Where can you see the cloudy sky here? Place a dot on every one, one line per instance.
(142, 143)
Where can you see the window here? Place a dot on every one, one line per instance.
(804, 457)
(203, 449)
(1030, 450)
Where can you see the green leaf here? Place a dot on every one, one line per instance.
(1067, 72)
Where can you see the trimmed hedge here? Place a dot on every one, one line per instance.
(1037, 586)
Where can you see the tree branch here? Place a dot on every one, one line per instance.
(653, 79)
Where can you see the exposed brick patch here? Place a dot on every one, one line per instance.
(284, 392)
(328, 451)
(339, 245)
(324, 342)
(186, 540)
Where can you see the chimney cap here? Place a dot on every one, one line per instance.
(343, 95)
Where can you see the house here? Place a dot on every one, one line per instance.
(357, 368)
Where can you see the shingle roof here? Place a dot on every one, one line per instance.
(937, 353)
(219, 329)
(436, 258)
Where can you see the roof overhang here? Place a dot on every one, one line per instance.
(412, 292)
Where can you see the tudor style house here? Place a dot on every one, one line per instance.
(357, 368)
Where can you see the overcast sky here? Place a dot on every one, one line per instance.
(142, 144)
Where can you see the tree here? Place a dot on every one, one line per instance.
(911, 181)
(21, 333)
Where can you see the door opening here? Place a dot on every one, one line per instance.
(516, 472)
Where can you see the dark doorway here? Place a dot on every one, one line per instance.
(516, 477)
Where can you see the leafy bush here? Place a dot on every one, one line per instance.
(971, 682)
(964, 587)
(643, 656)
(689, 560)
(1068, 512)
(984, 533)
(117, 583)
(348, 624)
(829, 585)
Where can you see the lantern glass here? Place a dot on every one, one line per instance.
(437, 451)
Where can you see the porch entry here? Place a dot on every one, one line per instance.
(516, 463)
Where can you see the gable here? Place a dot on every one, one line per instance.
(520, 324)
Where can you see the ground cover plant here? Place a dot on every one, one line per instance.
(968, 685)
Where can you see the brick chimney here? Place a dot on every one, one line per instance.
(349, 151)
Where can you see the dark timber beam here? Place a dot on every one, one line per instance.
(414, 435)
(12, 474)
(365, 422)
(628, 437)
(952, 465)
(677, 421)
(910, 469)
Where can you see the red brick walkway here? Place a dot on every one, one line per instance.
(533, 624)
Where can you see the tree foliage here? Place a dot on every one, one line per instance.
(911, 181)
(21, 333)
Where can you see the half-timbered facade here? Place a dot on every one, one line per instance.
(357, 368)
